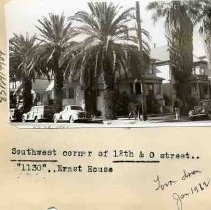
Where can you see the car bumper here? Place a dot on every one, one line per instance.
(83, 119)
(197, 115)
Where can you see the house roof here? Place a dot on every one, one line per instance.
(40, 84)
(161, 54)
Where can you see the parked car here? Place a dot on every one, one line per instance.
(203, 110)
(39, 113)
(16, 114)
(72, 113)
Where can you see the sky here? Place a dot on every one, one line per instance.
(22, 16)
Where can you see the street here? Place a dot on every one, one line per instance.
(153, 121)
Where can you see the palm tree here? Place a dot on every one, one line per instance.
(56, 33)
(108, 50)
(23, 60)
(179, 32)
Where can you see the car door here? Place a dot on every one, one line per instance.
(66, 115)
(63, 114)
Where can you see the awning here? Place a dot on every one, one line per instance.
(50, 86)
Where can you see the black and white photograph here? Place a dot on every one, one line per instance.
(109, 63)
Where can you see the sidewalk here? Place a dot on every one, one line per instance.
(151, 120)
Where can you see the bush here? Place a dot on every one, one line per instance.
(121, 104)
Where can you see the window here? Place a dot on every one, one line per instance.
(138, 88)
(131, 88)
(202, 71)
(71, 93)
(158, 89)
(39, 97)
(194, 87)
(64, 92)
(76, 108)
(197, 70)
(151, 68)
(206, 89)
(150, 89)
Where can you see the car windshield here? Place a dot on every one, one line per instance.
(76, 108)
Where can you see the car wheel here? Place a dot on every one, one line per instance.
(192, 118)
(23, 119)
(36, 120)
(209, 116)
(71, 120)
(55, 120)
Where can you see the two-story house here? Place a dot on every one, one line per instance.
(200, 84)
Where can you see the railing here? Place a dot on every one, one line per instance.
(199, 77)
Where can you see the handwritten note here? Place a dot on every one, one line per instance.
(2, 79)
(179, 197)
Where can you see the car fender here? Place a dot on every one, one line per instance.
(24, 115)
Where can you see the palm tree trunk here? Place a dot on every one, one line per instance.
(91, 101)
(58, 90)
(27, 96)
(58, 81)
(143, 101)
(108, 96)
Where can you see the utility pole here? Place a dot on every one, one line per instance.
(139, 34)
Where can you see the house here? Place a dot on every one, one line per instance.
(43, 92)
(200, 84)
(73, 93)
(153, 89)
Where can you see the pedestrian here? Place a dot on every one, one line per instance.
(177, 110)
(83, 105)
(132, 110)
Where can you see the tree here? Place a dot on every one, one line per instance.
(139, 35)
(56, 34)
(23, 61)
(109, 49)
(179, 32)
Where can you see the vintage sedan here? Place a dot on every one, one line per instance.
(72, 113)
(16, 114)
(39, 113)
(203, 110)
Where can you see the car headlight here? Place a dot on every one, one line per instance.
(190, 112)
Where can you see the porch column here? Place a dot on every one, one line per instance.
(198, 90)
